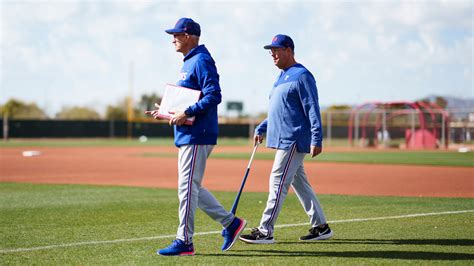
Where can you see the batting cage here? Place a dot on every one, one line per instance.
(410, 125)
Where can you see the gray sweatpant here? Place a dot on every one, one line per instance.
(288, 170)
(191, 166)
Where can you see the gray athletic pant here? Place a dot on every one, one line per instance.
(191, 165)
(288, 170)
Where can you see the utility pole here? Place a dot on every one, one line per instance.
(5, 126)
(130, 101)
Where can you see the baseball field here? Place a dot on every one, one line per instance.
(114, 202)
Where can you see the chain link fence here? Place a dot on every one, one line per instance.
(405, 129)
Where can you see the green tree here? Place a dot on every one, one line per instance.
(339, 115)
(342, 107)
(120, 110)
(16, 109)
(147, 102)
(441, 102)
(77, 113)
(117, 112)
(438, 100)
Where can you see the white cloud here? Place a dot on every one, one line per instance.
(135, 6)
(81, 49)
(28, 12)
(51, 12)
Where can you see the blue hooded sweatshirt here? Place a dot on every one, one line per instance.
(199, 72)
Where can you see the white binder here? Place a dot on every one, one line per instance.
(176, 99)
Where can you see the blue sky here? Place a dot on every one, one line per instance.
(78, 53)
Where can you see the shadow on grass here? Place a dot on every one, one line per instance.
(437, 242)
(405, 255)
(387, 254)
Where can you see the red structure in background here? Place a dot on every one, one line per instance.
(417, 137)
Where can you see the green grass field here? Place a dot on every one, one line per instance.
(434, 158)
(125, 142)
(75, 224)
(389, 157)
(442, 158)
(108, 142)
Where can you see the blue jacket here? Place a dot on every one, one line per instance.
(199, 73)
(293, 115)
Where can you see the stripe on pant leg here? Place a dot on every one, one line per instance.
(280, 187)
(188, 200)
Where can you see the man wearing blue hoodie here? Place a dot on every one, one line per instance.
(196, 142)
(293, 128)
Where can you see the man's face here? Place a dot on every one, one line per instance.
(180, 41)
(280, 56)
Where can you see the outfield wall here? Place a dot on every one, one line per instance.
(459, 132)
(103, 129)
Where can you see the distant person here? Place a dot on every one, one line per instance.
(293, 128)
(383, 137)
(196, 142)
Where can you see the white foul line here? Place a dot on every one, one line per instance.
(4, 251)
(382, 218)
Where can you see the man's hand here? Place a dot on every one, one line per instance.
(154, 113)
(178, 119)
(257, 139)
(315, 151)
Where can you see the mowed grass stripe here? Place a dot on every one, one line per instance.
(398, 157)
(131, 142)
(404, 157)
(98, 242)
(110, 142)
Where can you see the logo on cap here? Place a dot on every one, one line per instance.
(185, 25)
(281, 41)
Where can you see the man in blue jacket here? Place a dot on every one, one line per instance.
(293, 128)
(196, 142)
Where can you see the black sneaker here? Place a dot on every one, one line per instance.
(318, 233)
(257, 237)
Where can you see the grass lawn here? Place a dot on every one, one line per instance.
(71, 224)
(388, 157)
(443, 158)
(135, 141)
(108, 142)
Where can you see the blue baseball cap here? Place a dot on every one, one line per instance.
(281, 41)
(185, 25)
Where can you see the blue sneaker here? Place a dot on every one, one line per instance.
(177, 248)
(232, 233)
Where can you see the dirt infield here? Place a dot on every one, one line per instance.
(125, 166)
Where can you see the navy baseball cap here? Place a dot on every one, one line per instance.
(185, 25)
(281, 41)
